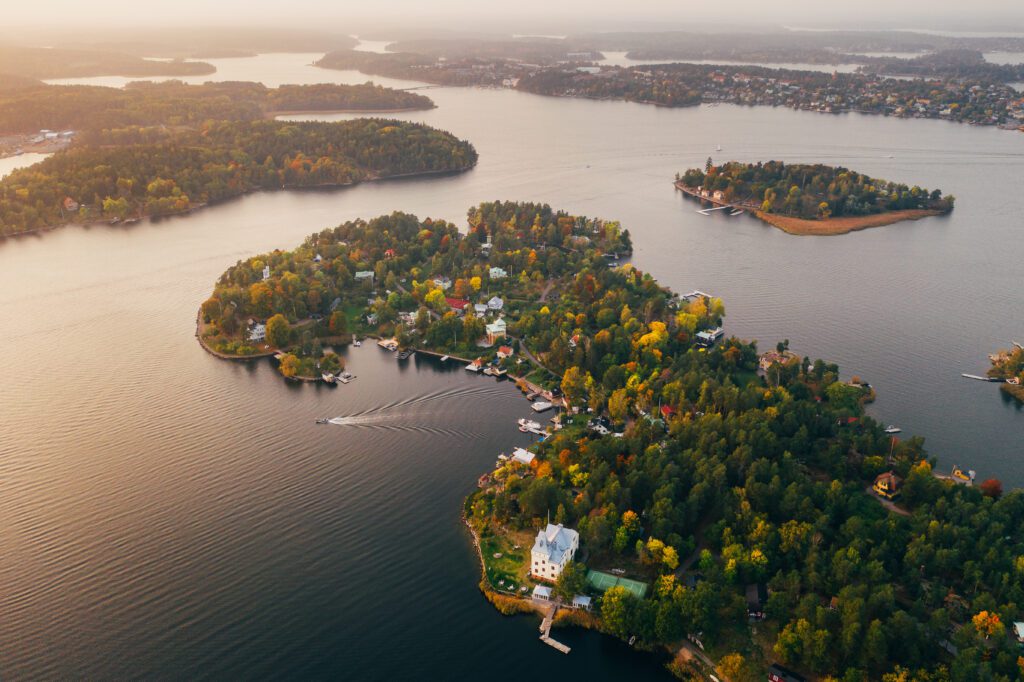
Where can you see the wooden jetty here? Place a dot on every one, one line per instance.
(993, 380)
(545, 632)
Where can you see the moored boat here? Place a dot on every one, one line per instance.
(328, 378)
(541, 406)
(892, 429)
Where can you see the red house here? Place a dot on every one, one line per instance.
(457, 304)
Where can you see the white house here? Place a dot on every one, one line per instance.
(266, 272)
(443, 283)
(480, 309)
(554, 547)
(497, 273)
(522, 456)
(258, 332)
(495, 304)
(364, 274)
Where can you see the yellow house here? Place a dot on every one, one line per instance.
(887, 485)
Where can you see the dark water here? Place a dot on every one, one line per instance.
(164, 514)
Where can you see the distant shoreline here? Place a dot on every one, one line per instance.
(314, 112)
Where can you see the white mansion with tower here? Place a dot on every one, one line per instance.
(554, 547)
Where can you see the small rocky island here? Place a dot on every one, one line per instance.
(805, 199)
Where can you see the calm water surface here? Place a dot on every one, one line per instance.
(168, 515)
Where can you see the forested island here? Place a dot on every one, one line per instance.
(151, 171)
(811, 199)
(1008, 365)
(737, 495)
(27, 107)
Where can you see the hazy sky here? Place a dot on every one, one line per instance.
(490, 15)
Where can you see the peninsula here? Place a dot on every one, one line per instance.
(807, 199)
(737, 510)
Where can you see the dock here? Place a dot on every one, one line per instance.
(978, 378)
(545, 632)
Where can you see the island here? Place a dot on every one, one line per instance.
(1008, 367)
(806, 199)
(736, 509)
(124, 173)
(27, 106)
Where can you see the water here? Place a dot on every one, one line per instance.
(13, 163)
(1005, 57)
(166, 514)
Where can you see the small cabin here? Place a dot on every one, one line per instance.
(887, 485)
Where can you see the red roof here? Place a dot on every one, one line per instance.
(667, 410)
(505, 350)
(457, 303)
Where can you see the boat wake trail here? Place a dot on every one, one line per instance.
(400, 422)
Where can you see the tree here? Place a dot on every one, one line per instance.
(289, 365)
(618, 405)
(436, 300)
(338, 324)
(736, 668)
(575, 383)
(571, 581)
(332, 363)
(279, 332)
(992, 487)
(617, 608)
(989, 624)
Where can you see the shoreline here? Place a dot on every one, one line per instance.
(829, 227)
(314, 112)
(832, 227)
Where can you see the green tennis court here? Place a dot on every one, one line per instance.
(602, 581)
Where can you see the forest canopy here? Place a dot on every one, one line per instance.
(25, 107)
(135, 171)
(720, 477)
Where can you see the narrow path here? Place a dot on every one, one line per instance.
(888, 504)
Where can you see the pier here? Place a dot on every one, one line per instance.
(978, 378)
(545, 632)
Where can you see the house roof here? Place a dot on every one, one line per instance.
(581, 600)
(457, 303)
(554, 542)
(1019, 629)
(542, 591)
(889, 478)
(505, 350)
(522, 455)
